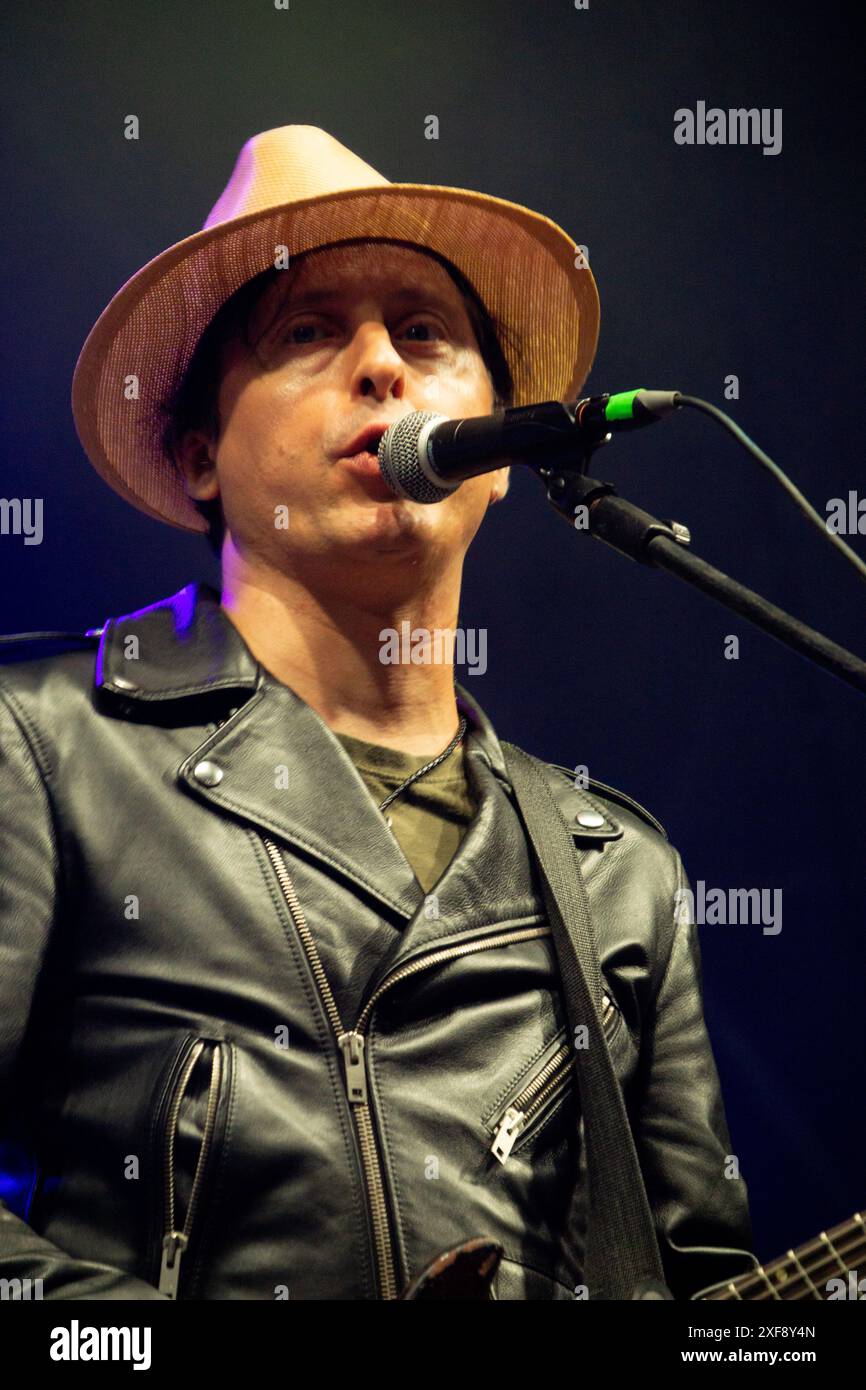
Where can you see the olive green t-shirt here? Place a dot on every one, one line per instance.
(430, 817)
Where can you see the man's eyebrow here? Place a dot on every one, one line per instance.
(407, 295)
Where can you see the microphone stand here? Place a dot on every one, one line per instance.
(663, 545)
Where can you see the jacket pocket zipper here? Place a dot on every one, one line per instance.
(351, 1043)
(550, 1080)
(176, 1240)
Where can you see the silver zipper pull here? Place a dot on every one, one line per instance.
(173, 1246)
(352, 1046)
(511, 1125)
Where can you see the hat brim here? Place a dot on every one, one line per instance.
(527, 271)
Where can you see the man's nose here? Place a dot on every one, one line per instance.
(375, 362)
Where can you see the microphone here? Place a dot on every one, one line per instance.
(425, 456)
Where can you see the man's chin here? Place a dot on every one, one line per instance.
(362, 533)
(398, 525)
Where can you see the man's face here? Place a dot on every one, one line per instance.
(358, 335)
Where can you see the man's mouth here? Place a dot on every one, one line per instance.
(365, 467)
(366, 441)
(360, 457)
(365, 462)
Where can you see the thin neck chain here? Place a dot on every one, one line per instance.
(428, 767)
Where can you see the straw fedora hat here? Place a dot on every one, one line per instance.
(297, 187)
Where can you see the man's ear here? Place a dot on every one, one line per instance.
(501, 479)
(195, 459)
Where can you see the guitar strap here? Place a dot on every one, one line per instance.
(621, 1257)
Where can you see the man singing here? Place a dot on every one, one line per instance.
(282, 1016)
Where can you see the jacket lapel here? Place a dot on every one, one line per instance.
(284, 771)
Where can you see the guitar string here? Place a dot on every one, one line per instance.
(758, 1279)
(768, 1291)
(787, 1290)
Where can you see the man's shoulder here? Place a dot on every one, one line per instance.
(47, 670)
(632, 871)
(619, 805)
(591, 808)
(633, 843)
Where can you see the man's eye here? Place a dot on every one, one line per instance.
(301, 331)
(431, 327)
(307, 326)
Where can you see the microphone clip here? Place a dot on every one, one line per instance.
(588, 504)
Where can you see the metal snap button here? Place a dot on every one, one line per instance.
(208, 773)
(590, 819)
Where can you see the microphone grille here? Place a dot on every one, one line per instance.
(398, 455)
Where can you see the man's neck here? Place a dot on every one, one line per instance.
(327, 647)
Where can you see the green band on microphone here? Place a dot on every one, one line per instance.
(621, 406)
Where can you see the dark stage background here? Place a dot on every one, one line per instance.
(710, 261)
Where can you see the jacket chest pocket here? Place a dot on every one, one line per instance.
(540, 1090)
(189, 1136)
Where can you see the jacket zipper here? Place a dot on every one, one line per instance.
(351, 1043)
(552, 1078)
(174, 1241)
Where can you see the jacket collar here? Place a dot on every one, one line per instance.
(182, 646)
(185, 646)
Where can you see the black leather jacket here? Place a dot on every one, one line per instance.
(230, 1014)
